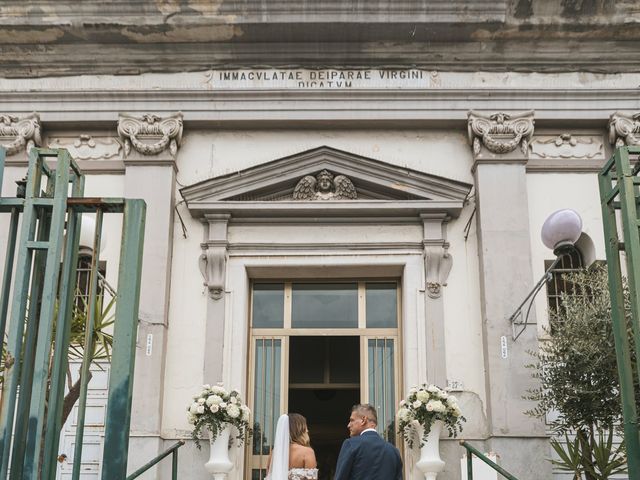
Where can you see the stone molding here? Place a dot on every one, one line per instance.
(624, 129)
(500, 133)
(409, 107)
(150, 134)
(385, 184)
(17, 134)
(398, 193)
(213, 260)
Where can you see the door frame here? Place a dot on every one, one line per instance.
(362, 332)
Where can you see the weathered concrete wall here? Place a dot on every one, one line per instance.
(66, 37)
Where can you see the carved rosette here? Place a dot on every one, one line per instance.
(18, 133)
(500, 132)
(150, 134)
(624, 129)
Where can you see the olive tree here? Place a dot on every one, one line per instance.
(578, 378)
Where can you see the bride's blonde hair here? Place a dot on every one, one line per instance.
(298, 431)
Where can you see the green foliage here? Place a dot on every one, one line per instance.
(578, 377)
(570, 455)
(608, 460)
(103, 323)
(102, 338)
(605, 459)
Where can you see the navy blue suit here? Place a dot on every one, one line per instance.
(368, 457)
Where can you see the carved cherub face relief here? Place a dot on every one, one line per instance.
(325, 181)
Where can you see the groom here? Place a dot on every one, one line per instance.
(366, 455)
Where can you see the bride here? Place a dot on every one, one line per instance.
(292, 458)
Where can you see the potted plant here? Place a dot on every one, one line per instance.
(421, 416)
(218, 410)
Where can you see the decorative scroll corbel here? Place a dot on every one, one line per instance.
(500, 132)
(18, 133)
(438, 263)
(624, 129)
(150, 134)
(213, 265)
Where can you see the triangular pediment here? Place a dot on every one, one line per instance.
(372, 180)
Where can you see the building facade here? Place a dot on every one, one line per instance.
(344, 199)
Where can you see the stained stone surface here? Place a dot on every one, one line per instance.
(65, 37)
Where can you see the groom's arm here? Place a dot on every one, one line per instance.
(345, 461)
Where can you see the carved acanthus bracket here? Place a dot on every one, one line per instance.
(500, 132)
(150, 134)
(437, 259)
(18, 133)
(624, 129)
(213, 260)
(213, 266)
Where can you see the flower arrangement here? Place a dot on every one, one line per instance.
(213, 408)
(425, 405)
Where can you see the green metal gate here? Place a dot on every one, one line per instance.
(620, 197)
(43, 262)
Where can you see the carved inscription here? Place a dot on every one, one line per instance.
(333, 79)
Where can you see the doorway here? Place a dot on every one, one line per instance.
(317, 348)
(324, 383)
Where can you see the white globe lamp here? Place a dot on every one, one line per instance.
(87, 232)
(561, 230)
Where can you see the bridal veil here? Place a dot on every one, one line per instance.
(280, 455)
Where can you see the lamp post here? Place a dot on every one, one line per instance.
(560, 231)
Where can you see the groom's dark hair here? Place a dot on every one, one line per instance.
(366, 410)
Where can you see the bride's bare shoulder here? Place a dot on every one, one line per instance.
(302, 457)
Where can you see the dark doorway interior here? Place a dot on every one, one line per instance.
(324, 383)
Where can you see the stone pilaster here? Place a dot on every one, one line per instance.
(500, 149)
(150, 149)
(213, 266)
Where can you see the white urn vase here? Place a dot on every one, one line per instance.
(219, 463)
(430, 463)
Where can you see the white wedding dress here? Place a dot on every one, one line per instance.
(303, 474)
(280, 457)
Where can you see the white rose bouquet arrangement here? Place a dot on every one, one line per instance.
(424, 405)
(214, 407)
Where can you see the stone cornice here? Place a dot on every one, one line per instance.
(356, 208)
(74, 59)
(234, 108)
(149, 36)
(278, 177)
